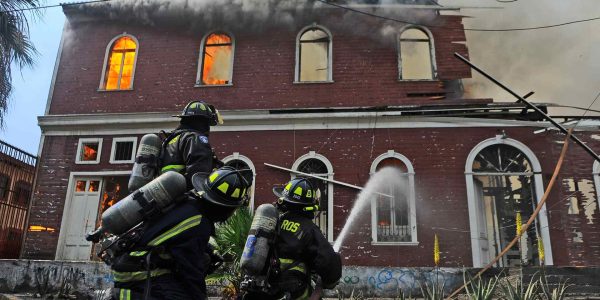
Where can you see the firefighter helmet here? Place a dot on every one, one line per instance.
(298, 191)
(224, 187)
(200, 109)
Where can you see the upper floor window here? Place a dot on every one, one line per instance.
(123, 150)
(393, 211)
(313, 55)
(216, 60)
(4, 186)
(22, 193)
(416, 55)
(119, 64)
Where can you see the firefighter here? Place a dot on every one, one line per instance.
(187, 150)
(300, 248)
(170, 257)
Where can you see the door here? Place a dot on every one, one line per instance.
(81, 214)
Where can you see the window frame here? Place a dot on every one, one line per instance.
(4, 197)
(78, 159)
(201, 59)
(113, 150)
(596, 174)
(411, 200)
(329, 55)
(434, 73)
(102, 86)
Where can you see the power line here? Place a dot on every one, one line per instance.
(50, 6)
(465, 29)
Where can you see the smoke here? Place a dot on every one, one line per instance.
(256, 16)
(384, 181)
(559, 64)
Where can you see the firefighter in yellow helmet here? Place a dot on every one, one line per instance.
(168, 258)
(187, 149)
(300, 247)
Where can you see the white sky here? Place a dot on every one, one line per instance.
(561, 65)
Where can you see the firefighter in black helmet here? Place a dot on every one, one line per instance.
(300, 247)
(187, 150)
(169, 258)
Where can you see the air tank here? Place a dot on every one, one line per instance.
(146, 161)
(159, 193)
(262, 230)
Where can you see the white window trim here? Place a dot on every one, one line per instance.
(411, 200)
(434, 73)
(201, 60)
(248, 161)
(330, 207)
(329, 53)
(596, 173)
(476, 243)
(113, 150)
(102, 87)
(80, 146)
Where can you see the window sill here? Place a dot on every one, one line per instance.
(87, 162)
(212, 85)
(313, 82)
(116, 162)
(395, 243)
(111, 91)
(418, 80)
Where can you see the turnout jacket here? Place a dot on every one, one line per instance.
(177, 244)
(188, 152)
(300, 244)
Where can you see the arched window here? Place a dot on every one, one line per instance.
(313, 55)
(319, 166)
(216, 60)
(119, 63)
(416, 60)
(393, 211)
(243, 163)
(503, 181)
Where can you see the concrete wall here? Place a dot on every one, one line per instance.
(87, 279)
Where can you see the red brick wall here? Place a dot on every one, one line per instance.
(365, 70)
(438, 157)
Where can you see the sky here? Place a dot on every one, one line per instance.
(561, 65)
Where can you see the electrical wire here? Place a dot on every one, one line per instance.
(587, 110)
(51, 6)
(465, 29)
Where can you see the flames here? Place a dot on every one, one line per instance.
(109, 198)
(90, 152)
(39, 228)
(216, 68)
(119, 73)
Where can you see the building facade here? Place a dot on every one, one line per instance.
(336, 94)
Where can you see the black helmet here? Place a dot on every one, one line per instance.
(200, 109)
(298, 191)
(223, 187)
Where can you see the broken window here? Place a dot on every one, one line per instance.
(314, 61)
(316, 167)
(503, 177)
(88, 151)
(392, 205)
(120, 65)
(415, 55)
(216, 60)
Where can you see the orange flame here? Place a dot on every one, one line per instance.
(120, 64)
(38, 228)
(216, 67)
(89, 153)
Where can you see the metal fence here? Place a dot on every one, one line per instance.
(17, 171)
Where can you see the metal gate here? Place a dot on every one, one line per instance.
(17, 170)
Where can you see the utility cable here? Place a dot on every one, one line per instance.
(531, 218)
(465, 29)
(51, 6)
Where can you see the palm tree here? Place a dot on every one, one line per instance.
(229, 242)
(15, 46)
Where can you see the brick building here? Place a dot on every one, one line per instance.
(333, 93)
